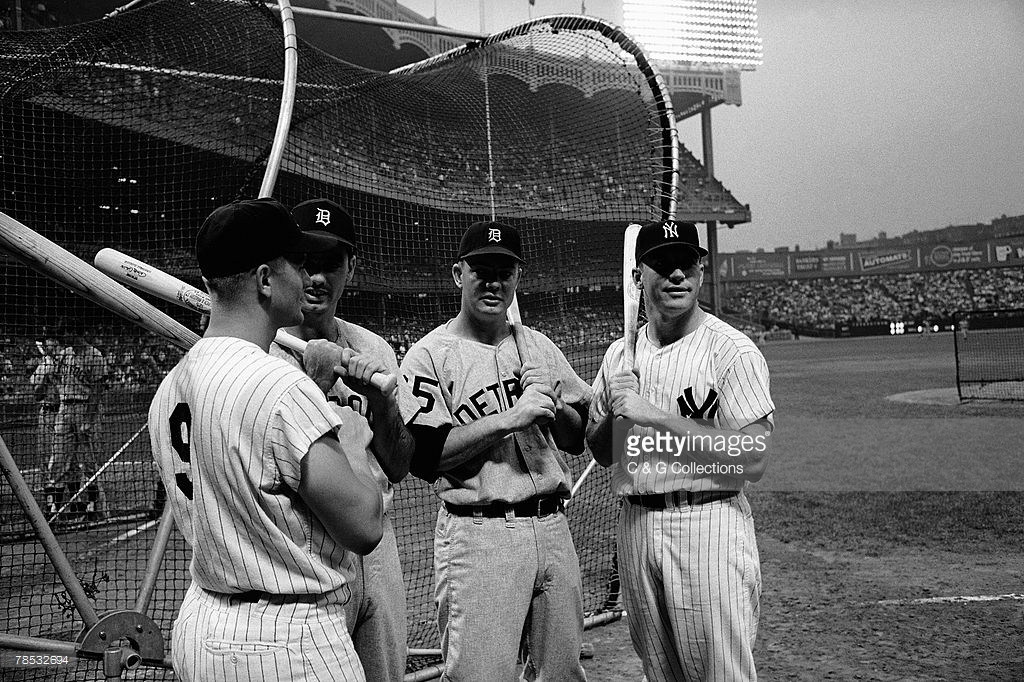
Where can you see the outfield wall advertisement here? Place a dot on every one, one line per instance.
(989, 253)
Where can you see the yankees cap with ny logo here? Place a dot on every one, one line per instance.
(665, 233)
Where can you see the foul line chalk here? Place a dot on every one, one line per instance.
(1013, 596)
(127, 535)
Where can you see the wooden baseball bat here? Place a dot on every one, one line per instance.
(60, 265)
(145, 277)
(630, 297)
(515, 321)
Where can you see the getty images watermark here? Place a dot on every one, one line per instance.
(663, 452)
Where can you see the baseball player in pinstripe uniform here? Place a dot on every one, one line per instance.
(505, 565)
(371, 421)
(699, 394)
(257, 480)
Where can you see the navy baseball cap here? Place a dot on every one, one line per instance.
(486, 238)
(241, 236)
(325, 218)
(661, 234)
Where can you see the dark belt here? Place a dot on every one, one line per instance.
(253, 596)
(679, 498)
(540, 505)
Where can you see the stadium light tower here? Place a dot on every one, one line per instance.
(708, 32)
(700, 47)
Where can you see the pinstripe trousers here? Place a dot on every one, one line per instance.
(225, 639)
(691, 580)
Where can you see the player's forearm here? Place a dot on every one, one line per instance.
(567, 429)
(344, 498)
(599, 438)
(705, 444)
(393, 445)
(466, 442)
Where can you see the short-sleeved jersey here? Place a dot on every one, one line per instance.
(714, 374)
(44, 381)
(80, 373)
(229, 427)
(355, 429)
(458, 381)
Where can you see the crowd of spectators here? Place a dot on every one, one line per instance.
(910, 297)
(137, 359)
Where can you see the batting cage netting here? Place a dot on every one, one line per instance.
(127, 132)
(987, 344)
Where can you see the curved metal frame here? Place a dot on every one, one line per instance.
(284, 117)
(662, 98)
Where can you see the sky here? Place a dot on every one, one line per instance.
(866, 115)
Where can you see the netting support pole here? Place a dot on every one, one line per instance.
(156, 558)
(46, 537)
(490, 156)
(284, 118)
(712, 225)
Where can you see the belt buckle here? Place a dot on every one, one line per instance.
(546, 500)
(541, 501)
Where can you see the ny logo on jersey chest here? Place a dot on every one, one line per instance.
(688, 405)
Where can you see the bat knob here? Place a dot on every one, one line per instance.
(385, 383)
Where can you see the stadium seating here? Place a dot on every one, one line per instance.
(809, 304)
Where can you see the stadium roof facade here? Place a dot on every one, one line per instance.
(722, 41)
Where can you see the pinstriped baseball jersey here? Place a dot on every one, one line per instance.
(229, 427)
(714, 374)
(353, 406)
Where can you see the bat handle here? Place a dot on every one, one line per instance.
(385, 383)
(628, 350)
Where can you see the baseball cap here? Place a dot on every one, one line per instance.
(491, 238)
(659, 234)
(240, 236)
(325, 218)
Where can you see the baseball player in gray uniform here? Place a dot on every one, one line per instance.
(371, 421)
(44, 387)
(684, 430)
(505, 564)
(256, 477)
(81, 373)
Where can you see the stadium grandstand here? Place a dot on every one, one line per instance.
(919, 281)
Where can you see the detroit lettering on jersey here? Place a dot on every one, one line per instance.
(490, 399)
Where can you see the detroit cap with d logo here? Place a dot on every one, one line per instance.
(490, 238)
(665, 233)
(241, 236)
(325, 218)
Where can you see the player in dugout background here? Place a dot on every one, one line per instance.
(699, 391)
